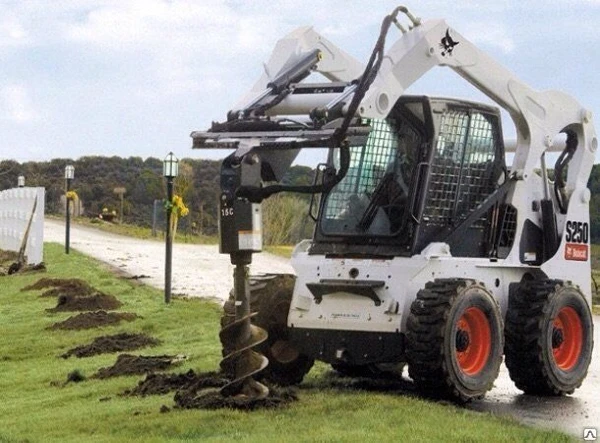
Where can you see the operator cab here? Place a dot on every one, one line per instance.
(423, 170)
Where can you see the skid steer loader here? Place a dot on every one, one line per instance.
(428, 249)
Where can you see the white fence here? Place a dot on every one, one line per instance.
(15, 210)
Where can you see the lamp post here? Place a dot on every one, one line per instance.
(21, 181)
(69, 175)
(170, 170)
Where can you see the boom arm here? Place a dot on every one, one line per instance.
(335, 64)
(538, 116)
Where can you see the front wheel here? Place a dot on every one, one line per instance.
(270, 298)
(454, 339)
(549, 337)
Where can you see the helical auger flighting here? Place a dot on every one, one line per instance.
(240, 362)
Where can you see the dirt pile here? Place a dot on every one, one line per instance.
(10, 264)
(88, 320)
(61, 286)
(95, 302)
(112, 343)
(202, 391)
(200, 396)
(128, 364)
(159, 384)
(8, 256)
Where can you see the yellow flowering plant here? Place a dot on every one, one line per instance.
(178, 209)
(71, 195)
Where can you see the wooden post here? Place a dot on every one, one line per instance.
(120, 191)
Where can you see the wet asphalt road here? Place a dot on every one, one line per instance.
(212, 278)
(571, 414)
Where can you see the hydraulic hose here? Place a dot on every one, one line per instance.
(256, 194)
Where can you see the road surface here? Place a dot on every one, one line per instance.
(200, 271)
(197, 271)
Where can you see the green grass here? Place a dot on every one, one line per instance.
(282, 250)
(144, 233)
(33, 408)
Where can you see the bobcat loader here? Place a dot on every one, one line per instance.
(428, 249)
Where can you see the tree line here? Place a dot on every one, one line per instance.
(284, 216)
(97, 177)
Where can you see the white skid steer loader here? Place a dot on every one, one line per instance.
(428, 249)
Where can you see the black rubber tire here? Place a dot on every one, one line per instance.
(432, 340)
(270, 297)
(532, 309)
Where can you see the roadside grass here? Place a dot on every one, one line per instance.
(143, 232)
(181, 237)
(281, 250)
(37, 406)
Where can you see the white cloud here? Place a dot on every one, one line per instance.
(15, 104)
(136, 74)
(12, 31)
(491, 34)
(178, 40)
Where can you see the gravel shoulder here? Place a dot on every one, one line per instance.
(198, 270)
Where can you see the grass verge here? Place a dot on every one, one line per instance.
(142, 232)
(36, 406)
(282, 250)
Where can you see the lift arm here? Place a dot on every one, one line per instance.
(538, 116)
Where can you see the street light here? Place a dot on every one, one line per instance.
(170, 170)
(21, 181)
(69, 176)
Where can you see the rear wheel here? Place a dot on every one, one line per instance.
(549, 337)
(454, 339)
(270, 297)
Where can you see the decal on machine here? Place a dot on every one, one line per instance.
(447, 44)
(345, 316)
(577, 235)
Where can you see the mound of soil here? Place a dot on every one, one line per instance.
(202, 391)
(75, 376)
(21, 268)
(7, 257)
(10, 264)
(159, 384)
(128, 364)
(112, 343)
(88, 320)
(61, 286)
(199, 396)
(98, 301)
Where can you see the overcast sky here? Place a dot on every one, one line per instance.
(135, 77)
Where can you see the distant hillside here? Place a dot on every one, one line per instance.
(97, 177)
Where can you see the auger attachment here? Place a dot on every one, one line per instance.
(240, 361)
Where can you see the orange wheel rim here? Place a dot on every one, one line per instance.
(567, 338)
(473, 341)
